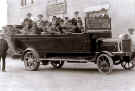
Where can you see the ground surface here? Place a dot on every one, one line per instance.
(72, 77)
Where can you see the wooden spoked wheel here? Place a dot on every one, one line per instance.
(31, 61)
(104, 63)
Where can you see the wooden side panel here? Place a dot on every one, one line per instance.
(56, 43)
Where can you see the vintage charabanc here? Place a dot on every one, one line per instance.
(94, 45)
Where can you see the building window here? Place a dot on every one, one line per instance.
(27, 2)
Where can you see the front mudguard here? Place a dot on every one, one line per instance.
(33, 50)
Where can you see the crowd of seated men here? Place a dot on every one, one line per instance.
(56, 26)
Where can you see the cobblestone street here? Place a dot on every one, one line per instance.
(72, 77)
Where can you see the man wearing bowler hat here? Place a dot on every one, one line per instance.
(3, 51)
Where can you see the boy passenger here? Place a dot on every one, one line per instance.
(28, 21)
(40, 20)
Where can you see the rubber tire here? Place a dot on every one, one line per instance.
(110, 62)
(36, 64)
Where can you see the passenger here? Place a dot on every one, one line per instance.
(75, 28)
(49, 27)
(28, 21)
(74, 22)
(52, 29)
(45, 26)
(10, 29)
(54, 25)
(60, 25)
(26, 30)
(77, 17)
(16, 29)
(54, 20)
(35, 29)
(5, 29)
(80, 27)
(66, 20)
(40, 20)
(79, 21)
(68, 27)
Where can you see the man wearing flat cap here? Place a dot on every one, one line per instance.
(77, 17)
(131, 31)
(40, 19)
(132, 36)
(40, 22)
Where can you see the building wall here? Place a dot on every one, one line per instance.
(3, 13)
(122, 11)
(16, 13)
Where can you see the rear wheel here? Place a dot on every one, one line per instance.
(57, 64)
(31, 61)
(104, 63)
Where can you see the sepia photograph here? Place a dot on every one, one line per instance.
(67, 45)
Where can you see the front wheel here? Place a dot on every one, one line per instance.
(31, 61)
(104, 63)
(57, 64)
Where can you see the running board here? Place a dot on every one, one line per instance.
(67, 60)
(77, 61)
